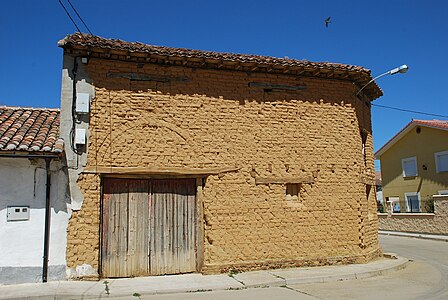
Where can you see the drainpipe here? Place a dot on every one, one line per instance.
(47, 221)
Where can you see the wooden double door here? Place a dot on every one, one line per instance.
(149, 227)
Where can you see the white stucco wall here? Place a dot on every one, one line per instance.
(22, 183)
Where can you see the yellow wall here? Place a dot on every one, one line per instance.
(423, 145)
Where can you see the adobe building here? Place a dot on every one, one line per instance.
(193, 161)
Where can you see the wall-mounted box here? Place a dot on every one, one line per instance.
(80, 136)
(82, 103)
(18, 213)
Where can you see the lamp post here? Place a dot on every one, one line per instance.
(400, 69)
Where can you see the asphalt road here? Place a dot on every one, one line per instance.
(426, 277)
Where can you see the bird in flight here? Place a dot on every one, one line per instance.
(327, 21)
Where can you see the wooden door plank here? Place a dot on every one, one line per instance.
(122, 237)
(149, 226)
(190, 233)
(172, 223)
(125, 228)
(153, 231)
(169, 230)
(111, 227)
(137, 242)
(179, 233)
(105, 249)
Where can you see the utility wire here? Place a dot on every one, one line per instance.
(411, 111)
(72, 20)
(79, 17)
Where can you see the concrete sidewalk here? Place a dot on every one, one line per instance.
(435, 237)
(197, 282)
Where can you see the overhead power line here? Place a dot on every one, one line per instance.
(410, 111)
(74, 9)
(73, 21)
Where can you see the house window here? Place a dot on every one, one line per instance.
(412, 202)
(292, 192)
(441, 161)
(409, 166)
(443, 192)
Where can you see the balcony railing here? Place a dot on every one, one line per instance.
(403, 206)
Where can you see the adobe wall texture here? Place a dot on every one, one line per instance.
(214, 119)
(436, 223)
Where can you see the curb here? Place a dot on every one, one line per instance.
(423, 236)
(399, 264)
(255, 279)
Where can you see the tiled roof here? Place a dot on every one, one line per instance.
(30, 129)
(95, 46)
(442, 124)
(438, 124)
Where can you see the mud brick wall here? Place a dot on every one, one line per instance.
(215, 119)
(84, 225)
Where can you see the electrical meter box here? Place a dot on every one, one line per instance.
(80, 136)
(82, 103)
(18, 213)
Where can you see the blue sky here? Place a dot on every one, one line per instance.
(378, 35)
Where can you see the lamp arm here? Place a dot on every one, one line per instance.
(372, 80)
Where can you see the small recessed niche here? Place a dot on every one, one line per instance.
(418, 129)
(292, 192)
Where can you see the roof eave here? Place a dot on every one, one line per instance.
(358, 75)
(30, 154)
(400, 135)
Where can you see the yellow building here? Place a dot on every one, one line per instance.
(414, 166)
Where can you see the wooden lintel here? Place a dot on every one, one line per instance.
(158, 171)
(145, 77)
(283, 180)
(265, 85)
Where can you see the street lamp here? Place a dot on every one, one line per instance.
(400, 69)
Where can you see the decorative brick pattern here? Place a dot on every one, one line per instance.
(216, 120)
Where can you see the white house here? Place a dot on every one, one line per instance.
(33, 196)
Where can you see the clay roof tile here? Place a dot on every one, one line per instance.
(30, 129)
(95, 44)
